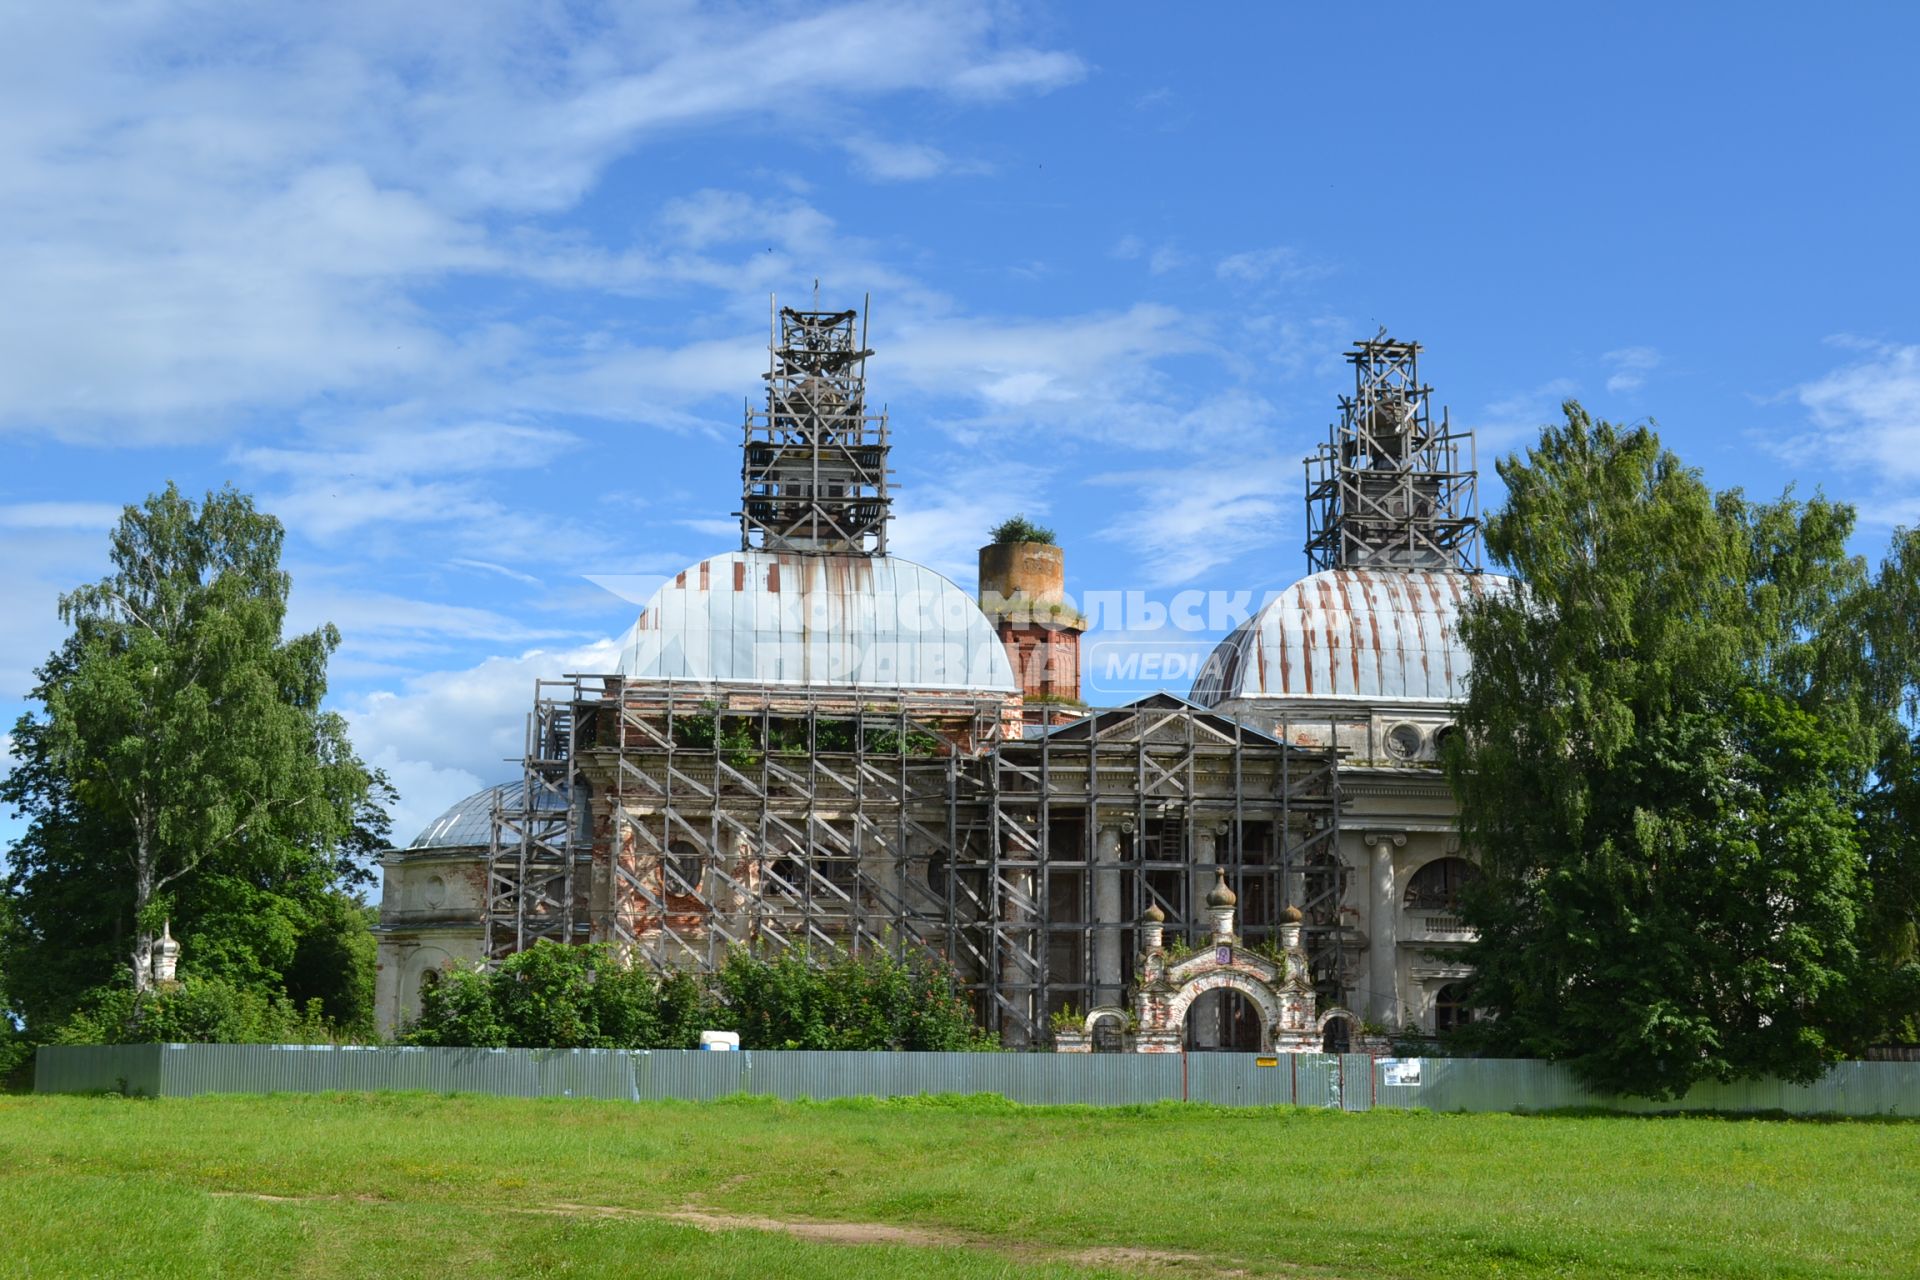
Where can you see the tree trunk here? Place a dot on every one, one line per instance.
(142, 957)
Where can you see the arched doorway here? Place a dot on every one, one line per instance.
(1336, 1032)
(1224, 1020)
(1450, 1008)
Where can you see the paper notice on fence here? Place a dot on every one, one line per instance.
(1397, 1071)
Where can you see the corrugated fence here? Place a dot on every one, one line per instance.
(1352, 1082)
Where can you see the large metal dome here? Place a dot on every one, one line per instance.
(1368, 635)
(850, 621)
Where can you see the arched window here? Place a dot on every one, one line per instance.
(684, 867)
(1437, 886)
(1450, 1011)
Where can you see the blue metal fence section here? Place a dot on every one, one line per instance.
(1511, 1084)
(132, 1069)
(1351, 1082)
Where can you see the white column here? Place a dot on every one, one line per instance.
(1017, 972)
(1206, 851)
(1107, 971)
(1383, 1001)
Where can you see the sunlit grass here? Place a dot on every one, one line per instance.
(474, 1187)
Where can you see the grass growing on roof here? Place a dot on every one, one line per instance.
(477, 1187)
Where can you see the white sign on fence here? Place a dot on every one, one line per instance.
(1398, 1071)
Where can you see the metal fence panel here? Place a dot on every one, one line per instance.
(1238, 1079)
(1356, 1082)
(132, 1069)
(1494, 1084)
(695, 1075)
(1352, 1082)
(1316, 1079)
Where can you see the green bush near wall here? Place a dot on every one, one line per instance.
(557, 997)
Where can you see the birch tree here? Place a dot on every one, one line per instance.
(182, 716)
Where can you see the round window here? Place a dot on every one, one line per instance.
(1403, 741)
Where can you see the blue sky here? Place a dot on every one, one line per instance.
(471, 295)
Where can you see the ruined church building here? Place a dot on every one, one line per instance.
(810, 742)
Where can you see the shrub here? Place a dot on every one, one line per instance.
(561, 997)
(195, 1011)
(1020, 529)
(554, 996)
(848, 1000)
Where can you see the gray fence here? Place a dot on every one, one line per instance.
(1352, 1082)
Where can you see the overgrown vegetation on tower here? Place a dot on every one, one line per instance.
(1018, 528)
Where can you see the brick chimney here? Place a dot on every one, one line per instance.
(1023, 589)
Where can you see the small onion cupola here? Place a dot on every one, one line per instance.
(1220, 904)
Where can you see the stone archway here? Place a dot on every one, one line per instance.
(1338, 1039)
(1260, 993)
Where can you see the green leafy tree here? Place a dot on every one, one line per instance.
(1889, 623)
(184, 769)
(1667, 741)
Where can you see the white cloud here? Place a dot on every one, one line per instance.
(1518, 417)
(1868, 412)
(1630, 368)
(1022, 70)
(1187, 521)
(1093, 376)
(1166, 259)
(903, 161)
(214, 212)
(59, 515)
(37, 563)
(501, 570)
(944, 525)
(382, 614)
(1276, 265)
(445, 735)
(451, 450)
(377, 482)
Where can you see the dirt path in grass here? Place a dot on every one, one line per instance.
(854, 1233)
(819, 1231)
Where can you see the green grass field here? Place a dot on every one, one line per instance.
(472, 1187)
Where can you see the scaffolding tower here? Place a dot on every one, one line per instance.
(1387, 490)
(814, 465)
(681, 822)
(535, 851)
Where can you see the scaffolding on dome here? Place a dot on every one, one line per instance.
(814, 467)
(1387, 490)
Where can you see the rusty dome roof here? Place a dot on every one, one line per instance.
(843, 621)
(1366, 635)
